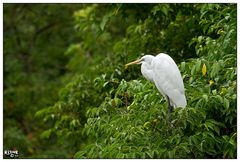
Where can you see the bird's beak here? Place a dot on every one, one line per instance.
(131, 63)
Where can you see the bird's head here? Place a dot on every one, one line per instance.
(147, 59)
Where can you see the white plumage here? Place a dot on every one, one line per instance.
(164, 73)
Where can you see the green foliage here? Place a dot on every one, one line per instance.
(16, 141)
(35, 39)
(106, 111)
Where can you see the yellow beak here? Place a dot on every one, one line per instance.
(132, 63)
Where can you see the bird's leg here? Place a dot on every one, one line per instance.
(170, 108)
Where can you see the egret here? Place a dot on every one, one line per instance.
(164, 73)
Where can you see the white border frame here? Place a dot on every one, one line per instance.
(104, 1)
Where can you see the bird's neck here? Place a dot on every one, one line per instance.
(146, 70)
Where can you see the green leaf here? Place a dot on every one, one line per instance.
(193, 70)
(41, 113)
(183, 64)
(104, 22)
(164, 9)
(215, 69)
(46, 134)
(79, 154)
(198, 65)
(200, 38)
(171, 154)
(225, 103)
(150, 154)
(220, 99)
(205, 97)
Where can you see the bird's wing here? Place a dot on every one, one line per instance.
(168, 80)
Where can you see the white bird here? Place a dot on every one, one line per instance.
(164, 73)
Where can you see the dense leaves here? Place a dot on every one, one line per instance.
(107, 111)
(35, 39)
